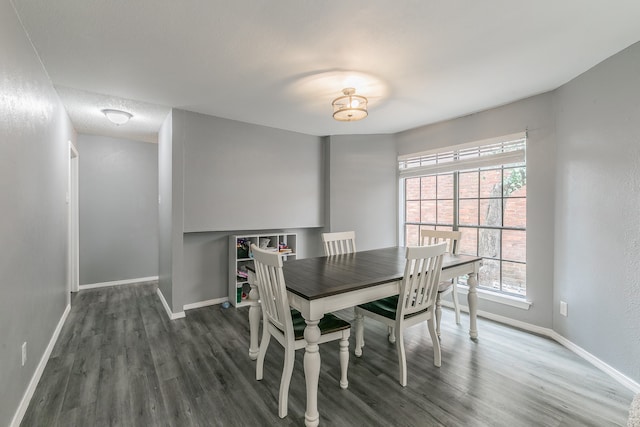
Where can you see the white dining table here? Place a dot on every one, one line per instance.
(325, 284)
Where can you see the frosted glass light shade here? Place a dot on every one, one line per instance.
(117, 117)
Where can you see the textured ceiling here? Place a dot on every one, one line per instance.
(280, 63)
(84, 109)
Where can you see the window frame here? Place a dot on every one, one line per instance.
(500, 153)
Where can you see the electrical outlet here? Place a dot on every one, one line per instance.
(24, 353)
(563, 308)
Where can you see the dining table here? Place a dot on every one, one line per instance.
(325, 284)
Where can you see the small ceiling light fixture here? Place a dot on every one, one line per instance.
(118, 117)
(349, 107)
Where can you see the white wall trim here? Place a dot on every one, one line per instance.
(119, 282)
(498, 298)
(607, 369)
(31, 388)
(550, 333)
(205, 303)
(515, 323)
(171, 314)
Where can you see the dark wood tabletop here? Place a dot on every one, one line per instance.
(313, 278)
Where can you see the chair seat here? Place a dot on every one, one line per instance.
(443, 286)
(287, 326)
(328, 324)
(415, 303)
(386, 307)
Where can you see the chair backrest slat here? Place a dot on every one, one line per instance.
(432, 237)
(421, 277)
(272, 288)
(343, 242)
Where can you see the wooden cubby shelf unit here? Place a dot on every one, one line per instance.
(240, 257)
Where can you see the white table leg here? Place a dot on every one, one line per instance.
(254, 321)
(359, 327)
(472, 299)
(312, 372)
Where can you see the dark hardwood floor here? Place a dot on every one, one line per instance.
(119, 361)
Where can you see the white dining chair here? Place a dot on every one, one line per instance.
(452, 239)
(287, 325)
(414, 304)
(339, 243)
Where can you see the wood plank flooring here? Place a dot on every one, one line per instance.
(119, 361)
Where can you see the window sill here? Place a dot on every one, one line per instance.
(499, 298)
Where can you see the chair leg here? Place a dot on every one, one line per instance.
(344, 360)
(438, 313)
(392, 334)
(283, 399)
(437, 356)
(456, 303)
(264, 344)
(402, 357)
(359, 323)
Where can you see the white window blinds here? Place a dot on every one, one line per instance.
(503, 150)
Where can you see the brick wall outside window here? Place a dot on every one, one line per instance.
(491, 216)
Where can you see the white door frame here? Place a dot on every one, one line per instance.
(73, 234)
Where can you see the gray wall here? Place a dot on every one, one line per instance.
(244, 176)
(597, 254)
(34, 161)
(170, 213)
(118, 201)
(238, 178)
(536, 115)
(206, 260)
(583, 179)
(363, 184)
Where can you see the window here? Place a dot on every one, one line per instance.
(481, 190)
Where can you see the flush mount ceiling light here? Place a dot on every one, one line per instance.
(349, 107)
(117, 117)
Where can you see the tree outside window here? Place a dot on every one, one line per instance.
(491, 214)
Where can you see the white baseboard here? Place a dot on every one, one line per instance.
(118, 282)
(31, 388)
(607, 369)
(171, 314)
(515, 323)
(206, 303)
(550, 333)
